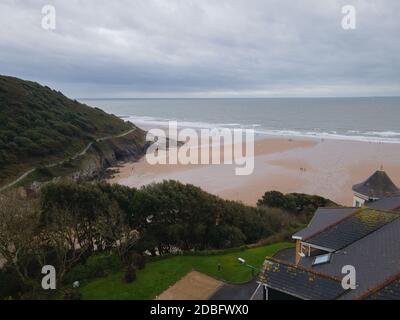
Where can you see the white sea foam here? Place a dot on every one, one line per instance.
(350, 135)
(383, 133)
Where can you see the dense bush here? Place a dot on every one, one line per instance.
(186, 217)
(96, 266)
(294, 202)
(138, 261)
(10, 284)
(90, 230)
(168, 216)
(72, 294)
(130, 274)
(180, 215)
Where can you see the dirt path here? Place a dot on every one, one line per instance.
(51, 165)
(193, 286)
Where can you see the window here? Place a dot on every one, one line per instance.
(325, 258)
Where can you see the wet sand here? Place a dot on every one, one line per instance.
(327, 168)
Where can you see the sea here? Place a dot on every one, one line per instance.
(375, 119)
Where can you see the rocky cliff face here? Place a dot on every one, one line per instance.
(108, 153)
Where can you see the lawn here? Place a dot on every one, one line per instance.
(160, 275)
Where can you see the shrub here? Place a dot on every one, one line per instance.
(44, 172)
(130, 274)
(72, 294)
(294, 202)
(96, 266)
(225, 236)
(10, 284)
(275, 199)
(139, 261)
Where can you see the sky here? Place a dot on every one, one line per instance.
(204, 48)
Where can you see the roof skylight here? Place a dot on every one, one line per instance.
(325, 258)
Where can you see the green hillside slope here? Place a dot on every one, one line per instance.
(39, 126)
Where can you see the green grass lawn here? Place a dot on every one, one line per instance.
(160, 275)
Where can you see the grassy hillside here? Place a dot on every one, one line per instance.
(39, 125)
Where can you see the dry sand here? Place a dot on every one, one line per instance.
(193, 286)
(328, 168)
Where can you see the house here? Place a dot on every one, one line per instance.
(365, 238)
(376, 187)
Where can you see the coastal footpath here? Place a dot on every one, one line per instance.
(58, 163)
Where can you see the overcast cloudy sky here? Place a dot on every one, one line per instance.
(204, 48)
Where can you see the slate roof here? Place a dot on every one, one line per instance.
(288, 255)
(323, 218)
(379, 185)
(298, 282)
(391, 203)
(391, 291)
(376, 258)
(351, 229)
(368, 239)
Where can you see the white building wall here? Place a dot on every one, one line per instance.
(358, 201)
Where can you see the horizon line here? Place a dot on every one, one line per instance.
(232, 98)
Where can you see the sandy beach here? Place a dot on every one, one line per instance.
(327, 168)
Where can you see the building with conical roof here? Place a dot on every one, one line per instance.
(376, 187)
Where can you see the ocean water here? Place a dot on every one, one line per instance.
(359, 119)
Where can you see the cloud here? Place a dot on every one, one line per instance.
(128, 48)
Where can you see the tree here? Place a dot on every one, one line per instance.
(59, 237)
(115, 233)
(294, 202)
(19, 245)
(130, 274)
(275, 199)
(225, 236)
(85, 201)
